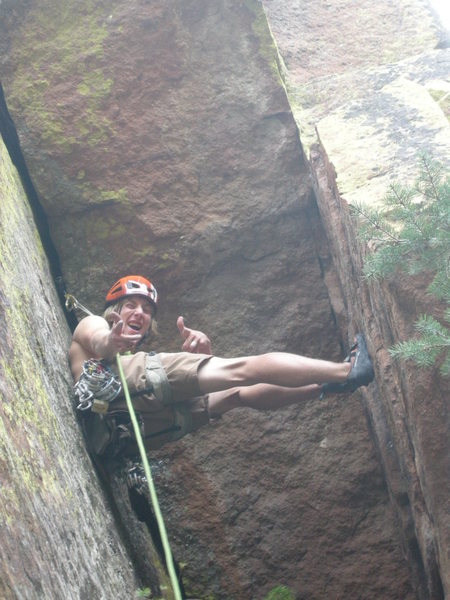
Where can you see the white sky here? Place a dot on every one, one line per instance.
(442, 7)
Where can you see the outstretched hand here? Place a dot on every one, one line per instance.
(193, 341)
(118, 341)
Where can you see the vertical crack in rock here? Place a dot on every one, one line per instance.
(124, 524)
(12, 143)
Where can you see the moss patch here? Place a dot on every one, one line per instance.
(442, 97)
(267, 46)
(28, 425)
(61, 44)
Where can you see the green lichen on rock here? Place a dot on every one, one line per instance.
(61, 44)
(196, 588)
(104, 229)
(267, 46)
(95, 85)
(442, 98)
(82, 193)
(116, 196)
(280, 592)
(52, 514)
(25, 403)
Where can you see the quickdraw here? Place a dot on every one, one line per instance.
(97, 386)
(72, 302)
(136, 478)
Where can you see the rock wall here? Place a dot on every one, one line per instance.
(58, 534)
(408, 413)
(366, 113)
(160, 139)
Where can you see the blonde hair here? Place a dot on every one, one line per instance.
(117, 307)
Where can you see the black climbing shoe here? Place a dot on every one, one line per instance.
(361, 373)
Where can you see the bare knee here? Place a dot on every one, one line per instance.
(222, 373)
(221, 402)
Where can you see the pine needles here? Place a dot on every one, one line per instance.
(411, 232)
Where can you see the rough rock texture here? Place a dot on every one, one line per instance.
(58, 534)
(322, 38)
(370, 124)
(160, 140)
(349, 40)
(408, 414)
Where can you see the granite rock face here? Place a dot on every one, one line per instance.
(58, 535)
(365, 115)
(160, 139)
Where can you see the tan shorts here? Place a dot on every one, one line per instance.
(188, 409)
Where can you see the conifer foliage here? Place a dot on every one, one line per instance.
(411, 232)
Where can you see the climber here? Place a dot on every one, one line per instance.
(177, 393)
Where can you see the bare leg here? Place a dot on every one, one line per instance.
(276, 368)
(260, 397)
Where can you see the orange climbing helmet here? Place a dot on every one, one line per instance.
(132, 285)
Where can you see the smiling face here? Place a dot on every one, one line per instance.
(137, 315)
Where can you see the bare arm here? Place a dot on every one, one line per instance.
(99, 340)
(95, 338)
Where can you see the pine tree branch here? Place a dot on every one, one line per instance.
(411, 216)
(426, 166)
(376, 225)
(421, 215)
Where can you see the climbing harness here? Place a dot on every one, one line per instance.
(112, 434)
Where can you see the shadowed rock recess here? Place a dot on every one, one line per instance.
(162, 137)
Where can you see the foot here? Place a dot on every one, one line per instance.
(361, 370)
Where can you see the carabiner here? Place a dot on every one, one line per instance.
(72, 302)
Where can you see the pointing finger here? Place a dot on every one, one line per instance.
(117, 327)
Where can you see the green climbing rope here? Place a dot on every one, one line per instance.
(71, 303)
(151, 487)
